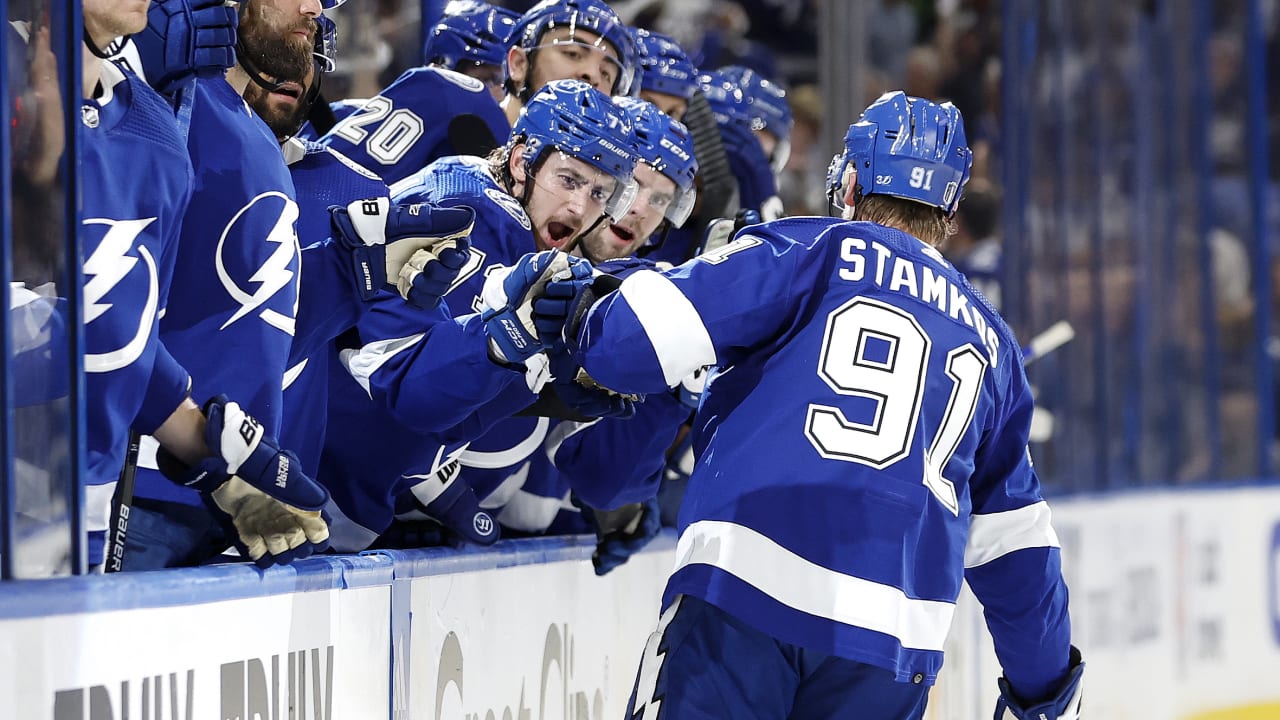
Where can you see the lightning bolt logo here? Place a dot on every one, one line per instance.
(274, 274)
(109, 262)
(648, 704)
(108, 265)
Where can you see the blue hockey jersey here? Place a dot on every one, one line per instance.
(135, 183)
(863, 449)
(426, 114)
(329, 304)
(233, 303)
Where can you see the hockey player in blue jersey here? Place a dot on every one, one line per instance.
(412, 394)
(436, 110)
(861, 453)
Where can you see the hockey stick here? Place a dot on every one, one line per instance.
(1054, 337)
(118, 530)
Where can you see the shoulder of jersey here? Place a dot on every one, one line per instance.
(467, 178)
(317, 149)
(437, 78)
(148, 115)
(798, 230)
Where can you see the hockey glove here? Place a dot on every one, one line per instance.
(721, 230)
(1063, 706)
(577, 390)
(623, 532)
(511, 323)
(275, 509)
(419, 248)
(185, 38)
(446, 498)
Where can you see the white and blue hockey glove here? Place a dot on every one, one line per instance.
(419, 248)
(444, 497)
(623, 532)
(186, 38)
(512, 324)
(1065, 705)
(275, 509)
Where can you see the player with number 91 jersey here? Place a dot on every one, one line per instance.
(426, 114)
(863, 446)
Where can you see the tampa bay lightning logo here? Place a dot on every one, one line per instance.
(112, 264)
(510, 204)
(277, 213)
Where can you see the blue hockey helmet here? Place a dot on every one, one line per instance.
(581, 122)
(906, 147)
(326, 43)
(767, 108)
(470, 30)
(665, 67)
(725, 98)
(666, 145)
(590, 15)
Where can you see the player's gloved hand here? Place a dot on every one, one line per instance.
(185, 38)
(274, 508)
(623, 532)
(443, 496)
(577, 390)
(513, 326)
(563, 303)
(419, 248)
(757, 187)
(721, 230)
(1065, 705)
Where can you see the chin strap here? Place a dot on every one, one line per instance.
(250, 69)
(575, 241)
(114, 47)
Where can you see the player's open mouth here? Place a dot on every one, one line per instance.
(291, 90)
(558, 233)
(624, 235)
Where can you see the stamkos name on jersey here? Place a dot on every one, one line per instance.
(898, 274)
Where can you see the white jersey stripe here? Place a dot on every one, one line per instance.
(998, 534)
(810, 588)
(679, 339)
(363, 363)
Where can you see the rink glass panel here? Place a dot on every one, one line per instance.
(40, 518)
(1137, 188)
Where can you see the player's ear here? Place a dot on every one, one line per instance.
(517, 66)
(515, 163)
(850, 183)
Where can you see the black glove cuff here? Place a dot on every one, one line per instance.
(600, 286)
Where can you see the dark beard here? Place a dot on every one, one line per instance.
(283, 123)
(277, 59)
